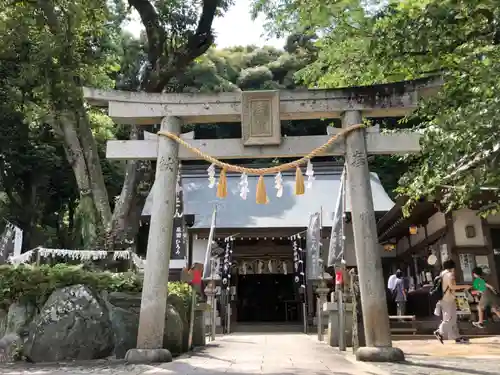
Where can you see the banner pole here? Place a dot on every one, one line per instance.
(191, 317)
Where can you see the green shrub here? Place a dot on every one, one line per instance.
(35, 284)
(182, 290)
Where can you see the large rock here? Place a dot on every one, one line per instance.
(16, 318)
(73, 324)
(124, 315)
(179, 305)
(13, 328)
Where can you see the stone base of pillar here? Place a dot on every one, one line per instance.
(380, 354)
(138, 356)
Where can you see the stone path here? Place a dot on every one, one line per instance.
(287, 353)
(429, 357)
(420, 365)
(235, 354)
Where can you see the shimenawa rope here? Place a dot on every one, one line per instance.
(261, 196)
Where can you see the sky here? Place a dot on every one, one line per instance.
(236, 28)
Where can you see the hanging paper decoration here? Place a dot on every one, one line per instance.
(298, 261)
(243, 185)
(309, 174)
(81, 255)
(278, 184)
(244, 268)
(211, 176)
(260, 267)
(270, 266)
(227, 262)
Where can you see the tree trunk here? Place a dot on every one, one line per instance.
(65, 127)
(99, 191)
(128, 207)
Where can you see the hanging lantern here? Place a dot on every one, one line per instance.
(413, 229)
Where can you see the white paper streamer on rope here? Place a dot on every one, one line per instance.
(138, 262)
(243, 184)
(309, 174)
(278, 184)
(21, 259)
(81, 255)
(211, 176)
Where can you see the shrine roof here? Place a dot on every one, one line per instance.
(289, 211)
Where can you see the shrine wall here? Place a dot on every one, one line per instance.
(468, 228)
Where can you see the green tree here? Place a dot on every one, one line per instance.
(366, 43)
(60, 45)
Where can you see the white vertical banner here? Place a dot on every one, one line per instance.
(337, 237)
(207, 266)
(18, 241)
(313, 242)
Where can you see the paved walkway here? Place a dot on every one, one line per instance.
(230, 355)
(429, 357)
(287, 353)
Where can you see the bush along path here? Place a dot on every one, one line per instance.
(50, 314)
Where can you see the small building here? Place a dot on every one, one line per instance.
(428, 234)
(262, 234)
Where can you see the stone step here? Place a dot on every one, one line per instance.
(266, 328)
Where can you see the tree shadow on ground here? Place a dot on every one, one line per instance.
(448, 368)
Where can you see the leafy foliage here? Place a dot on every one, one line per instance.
(35, 284)
(60, 217)
(365, 42)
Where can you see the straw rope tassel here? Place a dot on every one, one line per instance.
(222, 185)
(299, 182)
(261, 195)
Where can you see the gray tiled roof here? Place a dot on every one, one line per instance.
(289, 211)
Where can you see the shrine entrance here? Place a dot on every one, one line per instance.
(261, 113)
(267, 298)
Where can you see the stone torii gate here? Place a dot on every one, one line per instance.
(260, 113)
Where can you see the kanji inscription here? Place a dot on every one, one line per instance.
(260, 118)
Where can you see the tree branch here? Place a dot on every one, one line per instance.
(480, 158)
(48, 10)
(196, 45)
(154, 30)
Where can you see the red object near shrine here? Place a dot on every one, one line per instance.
(196, 277)
(339, 278)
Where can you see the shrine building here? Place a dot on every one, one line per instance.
(262, 278)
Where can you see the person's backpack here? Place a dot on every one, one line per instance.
(436, 291)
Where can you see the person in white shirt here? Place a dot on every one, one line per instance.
(391, 283)
(449, 325)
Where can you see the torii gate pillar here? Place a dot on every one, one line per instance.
(155, 284)
(371, 282)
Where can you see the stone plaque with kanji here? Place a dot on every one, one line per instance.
(260, 118)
